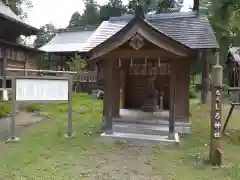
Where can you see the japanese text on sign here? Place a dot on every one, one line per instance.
(217, 114)
(41, 90)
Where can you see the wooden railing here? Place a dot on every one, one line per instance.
(90, 76)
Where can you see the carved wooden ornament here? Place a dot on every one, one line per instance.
(136, 42)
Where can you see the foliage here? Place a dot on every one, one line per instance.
(192, 92)
(94, 14)
(79, 66)
(46, 33)
(113, 8)
(76, 20)
(157, 6)
(17, 7)
(224, 17)
(33, 108)
(90, 15)
(91, 12)
(5, 109)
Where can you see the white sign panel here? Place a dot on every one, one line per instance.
(41, 90)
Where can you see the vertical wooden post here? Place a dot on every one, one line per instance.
(4, 85)
(4, 71)
(161, 101)
(98, 71)
(25, 64)
(115, 88)
(108, 96)
(12, 133)
(125, 65)
(215, 155)
(172, 115)
(70, 106)
(205, 78)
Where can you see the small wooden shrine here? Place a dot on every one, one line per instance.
(137, 56)
(232, 66)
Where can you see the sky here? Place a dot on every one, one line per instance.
(59, 12)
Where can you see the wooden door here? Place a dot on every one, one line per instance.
(136, 91)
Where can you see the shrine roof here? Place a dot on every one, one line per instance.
(235, 52)
(139, 27)
(69, 40)
(8, 14)
(189, 28)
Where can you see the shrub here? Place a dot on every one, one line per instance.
(33, 108)
(192, 92)
(5, 109)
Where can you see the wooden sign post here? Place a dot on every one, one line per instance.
(215, 154)
(27, 89)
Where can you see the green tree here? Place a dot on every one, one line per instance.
(46, 33)
(224, 16)
(91, 13)
(157, 6)
(79, 66)
(76, 20)
(112, 9)
(90, 16)
(168, 6)
(17, 7)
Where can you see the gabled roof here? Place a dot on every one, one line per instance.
(69, 40)
(235, 52)
(140, 26)
(189, 28)
(8, 14)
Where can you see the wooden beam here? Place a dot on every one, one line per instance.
(151, 53)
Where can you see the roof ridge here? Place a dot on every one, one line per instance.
(79, 28)
(168, 15)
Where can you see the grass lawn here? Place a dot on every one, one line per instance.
(44, 153)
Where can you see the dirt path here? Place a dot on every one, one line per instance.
(23, 119)
(130, 163)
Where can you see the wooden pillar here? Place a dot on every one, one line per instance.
(205, 77)
(98, 70)
(25, 64)
(182, 71)
(172, 113)
(125, 66)
(115, 87)
(4, 67)
(108, 95)
(215, 155)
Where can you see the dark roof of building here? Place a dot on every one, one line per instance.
(8, 14)
(141, 27)
(20, 46)
(69, 40)
(189, 28)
